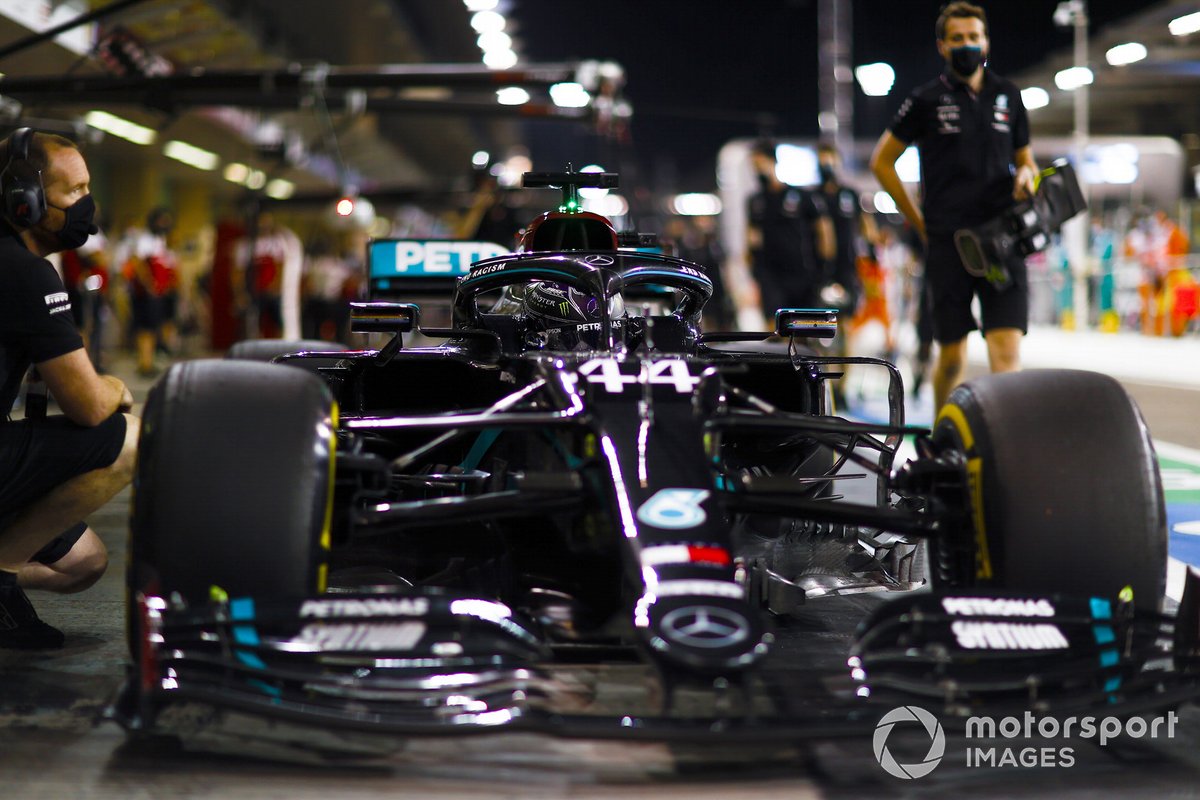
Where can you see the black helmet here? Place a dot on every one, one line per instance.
(569, 318)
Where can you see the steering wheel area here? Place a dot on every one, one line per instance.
(599, 274)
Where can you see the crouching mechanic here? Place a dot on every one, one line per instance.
(56, 470)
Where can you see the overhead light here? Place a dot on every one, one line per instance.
(1035, 97)
(592, 193)
(481, 158)
(570, 95)
(1072, 78)
(121, 128)
(512, 96)
(353, 212)
(1127, 53)
(796, 165)
(875, 79)
(696, 204)
(1182, 26)
(244, 175)
(191, 155)
(499, 59)
(480, 5)
(509, 171)
(426, 93)
(280, 189)
(1070, 12)
(236, 173)
(611, 205)
(908, 166)
(884, 203)
(494, 40)
(488, 21)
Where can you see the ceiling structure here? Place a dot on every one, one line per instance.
(418, 135)
(1156, 96)
(425, 138)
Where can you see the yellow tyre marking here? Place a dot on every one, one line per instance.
(327, 524)
(983, 558)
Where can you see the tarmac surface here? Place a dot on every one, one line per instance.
(54, 745)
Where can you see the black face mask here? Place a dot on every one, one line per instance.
(827, 174)
(965, 60)
(78, 225)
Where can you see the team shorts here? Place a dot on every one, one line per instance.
(951, 289)
(147, 311)
(37, 456)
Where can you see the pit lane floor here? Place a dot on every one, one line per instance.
(52, 745)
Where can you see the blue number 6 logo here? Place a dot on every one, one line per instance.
(674, 509)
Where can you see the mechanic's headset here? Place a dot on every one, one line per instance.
(21, 184)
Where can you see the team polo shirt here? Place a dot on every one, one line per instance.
(35, 315)
(785, 218)
(843, 207)
(966, 143)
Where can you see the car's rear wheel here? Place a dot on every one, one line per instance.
(1065, 492)
(233, 483)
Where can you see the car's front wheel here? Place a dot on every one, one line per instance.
(233, 482)
(1064, 487)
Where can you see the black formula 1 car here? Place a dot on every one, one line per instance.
(574, 512)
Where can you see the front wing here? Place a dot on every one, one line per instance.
(355, 674)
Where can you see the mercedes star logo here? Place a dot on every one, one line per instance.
(600, 261)
(705, 626)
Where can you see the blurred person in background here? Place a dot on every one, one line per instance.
(327, 287)
(695, 240)
(489, 218)
(85, 274)
(853, 231)
(789, 235)
(1161, 247)
(151, 273)
(853, 236)
(972, 133)
(274, 256)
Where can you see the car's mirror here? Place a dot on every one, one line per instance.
(383, 317)
(820, 323)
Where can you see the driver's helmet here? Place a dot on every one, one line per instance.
(566, 318)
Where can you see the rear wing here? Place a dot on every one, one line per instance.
(407, 269)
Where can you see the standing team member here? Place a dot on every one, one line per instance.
(850, 227)
(153, 273)
(277, 257)
(56, 470)
(972, 134)
(854, 235)
(788, 236)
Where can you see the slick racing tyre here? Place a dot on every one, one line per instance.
(267, 349)
(1063, 484)
(233, 485)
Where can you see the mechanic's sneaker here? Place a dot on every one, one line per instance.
(20, 627)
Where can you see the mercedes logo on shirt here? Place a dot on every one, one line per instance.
(705, 626)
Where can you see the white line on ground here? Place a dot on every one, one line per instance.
(1178, 452)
